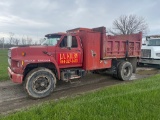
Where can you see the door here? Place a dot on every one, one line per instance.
(69, 57)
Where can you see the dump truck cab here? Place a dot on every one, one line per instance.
(150, 53)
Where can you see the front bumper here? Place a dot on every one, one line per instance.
(150, 61)
(17, 78)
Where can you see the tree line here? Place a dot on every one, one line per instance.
(12, 41)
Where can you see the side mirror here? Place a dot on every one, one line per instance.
(69, 41)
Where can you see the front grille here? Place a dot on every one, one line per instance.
(9, 61)
(145, 53)
(9, 53)
(9, 57)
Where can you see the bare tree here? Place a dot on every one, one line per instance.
(23, 41)
(129, 25)
(29, 41)
(16, 41)
(11, 37)
(35, 43)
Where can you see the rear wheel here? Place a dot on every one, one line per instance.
(39, 83)
(115, 70)
(125, 70)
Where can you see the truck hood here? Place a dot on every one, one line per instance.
(153, 48)
(29, 51)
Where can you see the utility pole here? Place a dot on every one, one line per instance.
(3, 42)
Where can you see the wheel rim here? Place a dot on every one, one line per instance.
(41, 84)
(126, 71)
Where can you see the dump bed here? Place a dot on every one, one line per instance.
(119, 46)
(100, 49)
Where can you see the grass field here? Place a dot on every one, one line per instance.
(135, 100)
(3, 65)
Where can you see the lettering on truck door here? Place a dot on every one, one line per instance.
(69, 56)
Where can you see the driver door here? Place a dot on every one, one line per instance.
(69, 57)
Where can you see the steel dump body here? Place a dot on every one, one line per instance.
(121, 46)
(99, 49)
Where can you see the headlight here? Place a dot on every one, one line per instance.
(20, 63)
(158, 54)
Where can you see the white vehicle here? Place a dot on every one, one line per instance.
(150, 53)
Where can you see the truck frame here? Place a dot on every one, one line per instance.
(69, 55)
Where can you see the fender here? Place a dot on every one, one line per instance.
(41, 59)
(52, 60)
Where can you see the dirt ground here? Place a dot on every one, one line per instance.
(13, 97)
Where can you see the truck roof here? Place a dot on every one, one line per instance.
(154, 36)
(70, 31)
(150, 37)
(78, 30)
(53, 34)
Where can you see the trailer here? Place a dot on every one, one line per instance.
(70, 55)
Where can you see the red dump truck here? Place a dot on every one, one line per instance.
(66, 56)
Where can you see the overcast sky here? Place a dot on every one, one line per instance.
(35, 18)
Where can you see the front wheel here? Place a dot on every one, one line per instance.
(125, 70)
(39, 83)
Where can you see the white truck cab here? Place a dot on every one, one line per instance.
(150, 52)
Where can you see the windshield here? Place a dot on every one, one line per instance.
(51, 40)
(154, 42)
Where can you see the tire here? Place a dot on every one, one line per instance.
(115, 73)
(39, 83)
(125, 70)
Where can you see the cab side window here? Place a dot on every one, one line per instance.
(74, 42)
(64, 42)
